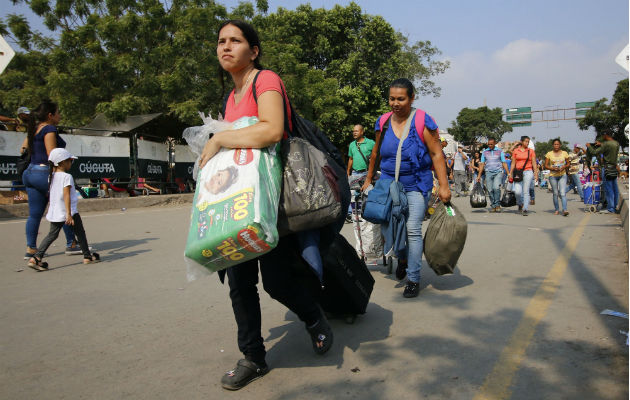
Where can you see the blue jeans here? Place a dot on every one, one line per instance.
(559, 187)
(35, 178)
(494, 179)
(612, 194)
(523, 196)
(574, 182)
(415, 244)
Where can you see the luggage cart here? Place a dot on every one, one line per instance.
(593, 192)
(358, 200)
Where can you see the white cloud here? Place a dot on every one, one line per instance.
(524, 72)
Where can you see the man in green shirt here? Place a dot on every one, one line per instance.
(359, 152)
(609, 150)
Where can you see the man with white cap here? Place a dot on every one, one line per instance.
(17, 124)
(459, 170)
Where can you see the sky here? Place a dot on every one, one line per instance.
(504, 53)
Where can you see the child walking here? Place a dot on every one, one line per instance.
(62, 209)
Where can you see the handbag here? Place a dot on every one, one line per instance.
(23, 162)
(378, 206)
(310, 195)
(517, 175)
(509, 197)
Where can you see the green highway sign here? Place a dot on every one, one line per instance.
(582, 108)
(519, 116)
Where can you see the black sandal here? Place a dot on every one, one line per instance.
(321, 336)
(93, 259)
(245, 372)
(37, 264)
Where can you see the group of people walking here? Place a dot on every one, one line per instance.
(239, 52)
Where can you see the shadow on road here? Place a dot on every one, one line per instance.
(293, 350)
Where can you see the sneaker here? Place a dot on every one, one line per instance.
(525, 214)
(532, 202)
(401, 270)
(565, 213)
(605, 211)
(412, 289)
(245, 372)
(497, 209)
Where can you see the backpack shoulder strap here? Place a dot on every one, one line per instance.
(420, 114)
(287, 126)
(384, 119)
(254, 86)
(225, 100)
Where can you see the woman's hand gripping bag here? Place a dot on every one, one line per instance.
(445, 238)
(235, 208)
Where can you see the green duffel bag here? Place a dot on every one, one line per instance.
(445, 238)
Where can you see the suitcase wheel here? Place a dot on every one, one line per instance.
(592, 208)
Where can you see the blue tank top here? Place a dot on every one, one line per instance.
(38, 153)
(415, 162)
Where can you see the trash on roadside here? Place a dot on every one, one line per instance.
(355, 369)
(614, 313)
(19, 270)
(123, 209)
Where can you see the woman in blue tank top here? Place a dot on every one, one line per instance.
(42, 137)
(421, 151)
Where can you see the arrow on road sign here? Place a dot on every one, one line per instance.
(6, 54)
(622, 58)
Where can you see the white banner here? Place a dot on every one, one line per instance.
(152, 151)
(79, 145)
(96, 146)
(11, 143)
(184, 154)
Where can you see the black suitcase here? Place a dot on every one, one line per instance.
(347, 282)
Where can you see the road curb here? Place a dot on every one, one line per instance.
(624, 215)
(99, 204)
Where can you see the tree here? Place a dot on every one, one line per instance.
(144, 56)
(610, 118)
(474, 124)
(542, 148)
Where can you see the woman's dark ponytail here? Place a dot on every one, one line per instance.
(51, 169)
(38, 115)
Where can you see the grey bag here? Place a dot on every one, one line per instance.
(445, 238)
(310, 196)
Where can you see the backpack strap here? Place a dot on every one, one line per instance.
(284, 104)
(420, 114)
(225, 100)
(383, 119)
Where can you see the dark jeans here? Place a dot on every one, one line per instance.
(278, 282)
(35, 179)
(55, 227)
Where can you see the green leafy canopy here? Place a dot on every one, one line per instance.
(610, 118)
(126, 57)
(472, 125)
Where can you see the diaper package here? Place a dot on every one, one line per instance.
(235, 208)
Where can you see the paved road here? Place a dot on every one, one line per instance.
(520, 319)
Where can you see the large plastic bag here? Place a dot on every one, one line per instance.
(478, 196)
(235, 208)
(445, 238)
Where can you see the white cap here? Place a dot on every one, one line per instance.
(58, 155)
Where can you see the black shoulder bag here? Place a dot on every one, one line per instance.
(23, 162)
(517, 176)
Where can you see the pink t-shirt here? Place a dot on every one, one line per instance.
(247, 107)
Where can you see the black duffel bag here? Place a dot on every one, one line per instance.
(478, 196)
(508, 199)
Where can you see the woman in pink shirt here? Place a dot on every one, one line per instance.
(239, 53)
(523, 159)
